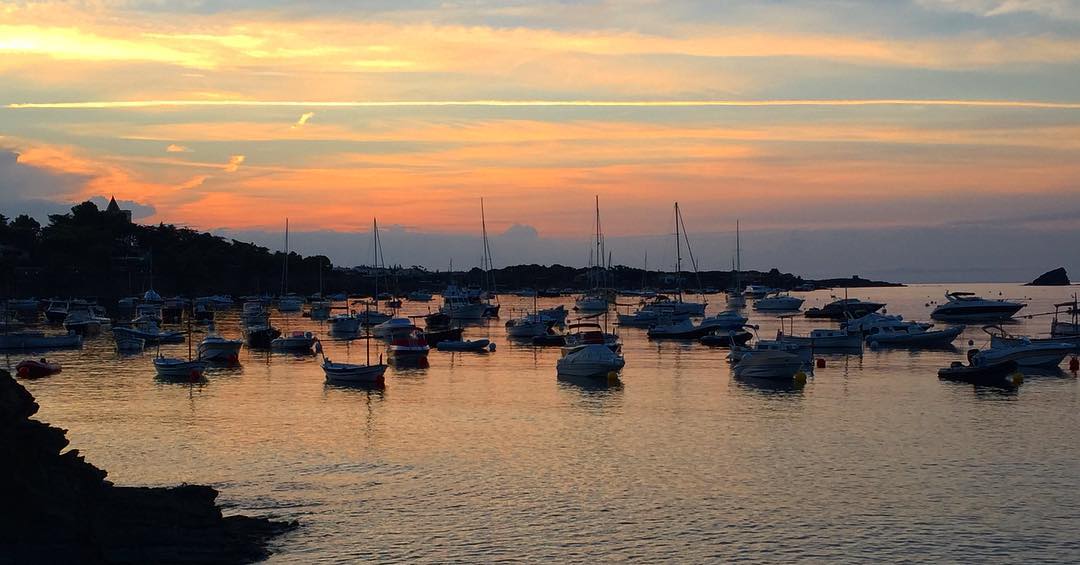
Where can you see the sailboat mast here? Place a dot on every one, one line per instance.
(489, 275)
(678, 254)
(285, 266)
(375, 258)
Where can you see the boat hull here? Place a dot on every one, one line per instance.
(32, 341)
(343, 373)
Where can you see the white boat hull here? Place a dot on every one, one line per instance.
(354, 374)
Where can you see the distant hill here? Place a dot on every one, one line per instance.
(1057, 277)
(102, 253)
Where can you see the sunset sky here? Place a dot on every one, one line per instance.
(934, 137)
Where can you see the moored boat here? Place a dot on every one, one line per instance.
(1000, 374)
(39, 340)
(963, 306)
(590, 361)
(36, 368)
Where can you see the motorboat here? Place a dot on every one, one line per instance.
(778, 302)
(590, 333)
(556, 315)
(36, 368)
(39, 340)
(999, 374)
(56, 311)
(83, 319)
(590, 361)
(645, 318)
(393, 328)
(963, 306)
(203, 314)
(756, 291)
(409, 346)
(1066, 328)
(419, 296)
(527, 327)
(731, 338)
(216, 348)
(173, 368)
(296, 341)
(737, 353)
(290, 303)
(149, 311)
(462, 309)
(592, 302)
(682, 329)
(911, 335)
(371, 317)
(148, 330)
(1025, 354)
(826, 339)
(253, 312)
(770, 363)
(172, 310)
(319, 309)
(674, 307)
(726, 320)
(260, 336)
(1000, 338)
(130, 344)
(845, 309)
(474, 345)
(349, 373)
(344, 324)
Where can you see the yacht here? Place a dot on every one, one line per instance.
(1024, 354)
(590, 361)
(963, 306)
(844, 309)
(778, 302)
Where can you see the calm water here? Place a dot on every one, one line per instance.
(491, 458)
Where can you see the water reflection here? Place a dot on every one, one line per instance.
(770, 387)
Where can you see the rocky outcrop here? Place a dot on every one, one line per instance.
(57, 508)
(1057, 277)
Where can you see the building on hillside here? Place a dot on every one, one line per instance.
(114, 210)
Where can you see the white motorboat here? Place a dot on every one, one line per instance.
(912, 335)
(827, 339)
(963, 306)
(393, 328)
(172, 368)
(527, 327)
(343, 324)
(589, 333)
(216, 348)
(756, 291)
(869, 323)
(1025, 354)
(39, 340)
(296, 341)
(592, 302)
(590, 361)
(845, 309)
(778, 302)
(770, 364)
(726, 320)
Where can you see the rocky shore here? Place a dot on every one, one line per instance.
(57, 508)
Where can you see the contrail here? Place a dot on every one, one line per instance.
(122, 104)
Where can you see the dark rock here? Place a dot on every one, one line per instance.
(58, 508)
(1057, 277)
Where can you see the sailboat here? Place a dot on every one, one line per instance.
(489, 289)
(287, 302)
(595, 300)
(372, 316)
(735, 297)
(676, 308)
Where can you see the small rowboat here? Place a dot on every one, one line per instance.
(33, 369)
(478, 345)
(353, 374)
(171, 368)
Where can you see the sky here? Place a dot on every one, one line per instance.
(914, 140)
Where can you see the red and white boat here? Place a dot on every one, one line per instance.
(33, 369)
(409, 346)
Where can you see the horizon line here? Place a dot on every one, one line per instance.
(126, 104)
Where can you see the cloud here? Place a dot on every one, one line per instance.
(174, 148)
(234, 163)
(303, 119)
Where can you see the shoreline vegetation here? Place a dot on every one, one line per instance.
(102, 253)
(58, 508)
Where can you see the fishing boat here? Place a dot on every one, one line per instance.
(590, 361)
(32, 339)
(36, 368)
(296, 341)
(1000, 338)
(215, 348)
(350, 373)
(410, 346)
(474, 345)
(778, 301)
(175, 368)
(845, 309)
(963, 306)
